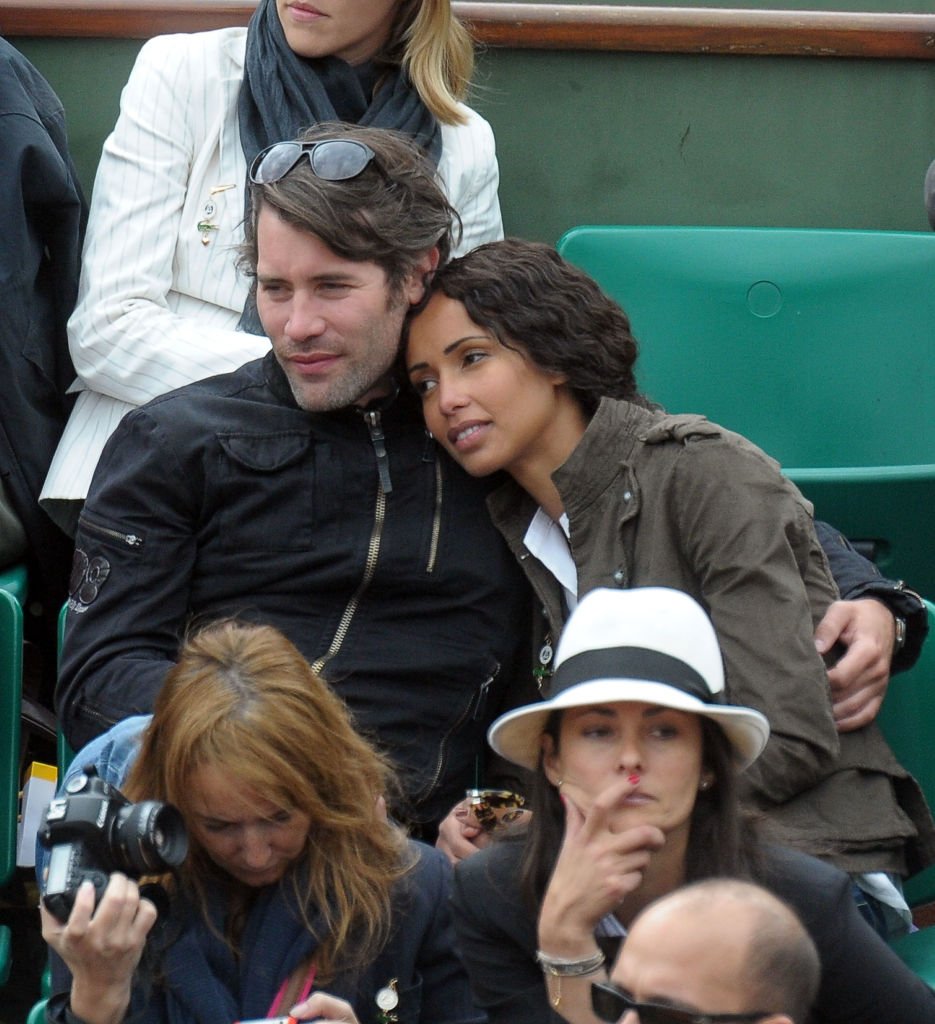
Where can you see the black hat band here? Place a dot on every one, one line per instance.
(632, 663)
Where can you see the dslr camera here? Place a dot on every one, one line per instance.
(94, 829)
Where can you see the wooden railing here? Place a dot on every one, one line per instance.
(534, 26)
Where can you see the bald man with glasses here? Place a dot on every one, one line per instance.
(716, 952)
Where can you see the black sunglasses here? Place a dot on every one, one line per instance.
(610, 1003)
(330, 160)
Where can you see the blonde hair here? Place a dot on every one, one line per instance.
(243, 700)
(437, 53)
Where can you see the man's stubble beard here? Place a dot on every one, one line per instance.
(360, 378)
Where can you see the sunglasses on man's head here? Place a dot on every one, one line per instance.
(330, 160)
(610, 1003)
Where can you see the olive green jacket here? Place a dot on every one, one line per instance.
(661, 500)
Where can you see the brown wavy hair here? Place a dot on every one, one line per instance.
(391, 214)
(243, 700)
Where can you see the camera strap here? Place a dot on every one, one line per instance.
(276, 1005)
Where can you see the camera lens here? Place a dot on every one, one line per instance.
(150, 837)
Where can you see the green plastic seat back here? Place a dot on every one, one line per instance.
(63, 750)
(15, 578)
(11, 688)
(815, 344)
(37, 1013)
(907, 720)
(917, 951)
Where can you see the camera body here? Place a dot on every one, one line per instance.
(93, 830)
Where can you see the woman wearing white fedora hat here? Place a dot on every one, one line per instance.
(637, 759)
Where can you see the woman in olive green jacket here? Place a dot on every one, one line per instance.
(523, 365)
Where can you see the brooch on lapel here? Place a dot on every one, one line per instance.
(387, 999)
(207, 224)
(543, 671)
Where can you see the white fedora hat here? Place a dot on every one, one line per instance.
(648, 644)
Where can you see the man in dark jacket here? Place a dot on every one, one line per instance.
(43, 217)
(303, 491)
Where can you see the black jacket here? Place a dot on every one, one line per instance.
(863, 981)
(43, 217)
(224, 498)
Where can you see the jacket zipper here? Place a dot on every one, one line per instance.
(130, 539)
(378, 440)
(478, 710)
(373, 551)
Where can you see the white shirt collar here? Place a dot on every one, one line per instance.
(548, 541)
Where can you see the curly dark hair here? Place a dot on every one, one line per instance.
(526, 295)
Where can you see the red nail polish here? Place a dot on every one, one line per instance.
(634, 778)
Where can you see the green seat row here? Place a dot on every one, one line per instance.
(815, 344)
(13, 586)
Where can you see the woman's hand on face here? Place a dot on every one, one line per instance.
(102, 946)
(597, 868)
(321, 1006)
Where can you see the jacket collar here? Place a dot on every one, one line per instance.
(235, 46)
(400, 406)
(609, 440)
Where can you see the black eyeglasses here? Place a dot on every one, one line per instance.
(610, 1003)
(330, 160)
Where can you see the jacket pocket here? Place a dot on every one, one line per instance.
(266, 492)
(98, 547)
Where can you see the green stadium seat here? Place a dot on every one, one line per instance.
(907, 720)
(814, 344)
(15, 579)
(11, 687)
(37, 1013)
(64, 751)
(6, 956)
(917, 952)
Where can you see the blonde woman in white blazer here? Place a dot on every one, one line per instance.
(160, 298)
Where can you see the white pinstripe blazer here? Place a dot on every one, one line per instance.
(158, 306)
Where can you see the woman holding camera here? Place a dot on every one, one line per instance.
(297, 895)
